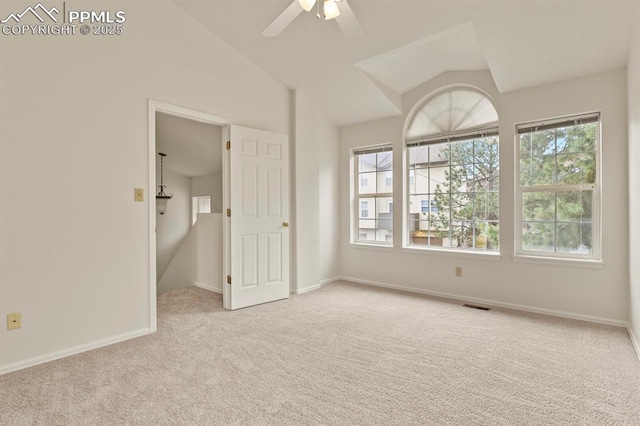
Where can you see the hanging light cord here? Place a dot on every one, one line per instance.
(162, 185)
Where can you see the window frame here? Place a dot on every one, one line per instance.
(486, 123)
(521, 254)
(195, 206)
(356, 203)
(462, 136)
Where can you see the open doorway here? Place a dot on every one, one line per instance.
(184, 252)
(255, 169)
(189, 233)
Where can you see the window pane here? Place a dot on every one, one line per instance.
(487, 150)
(579, 138)
(537, 171)
(419, 156)
(384, 235)
(367, 163)
(204, 204)
(576, 169)
(384, 161)
(574, 206)
(367, 183)
(461, 152)
(539, 206)
(538, 236)
(486, 206)
(525, 145)
(385, 185)
(412, 181)
(540, 143)
(439, 154)
(367, 230)
(439, 179)
(485, 235)
(440, 206)
(422, 181)
(367, 208)
(421, 234)
(574, 238)
(384, 210)
(415, 203)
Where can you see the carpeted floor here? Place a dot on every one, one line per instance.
(343, 355)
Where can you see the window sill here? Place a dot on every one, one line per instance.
(553, 261)
(382, 247)
(477, 255)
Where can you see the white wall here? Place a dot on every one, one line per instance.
(209, 251)
(600, 293)
(73, 114)
(305, 248)
(210, 185)
(173, 226)
(199, 258)
(329, 199)
(315, 194)
(182, 271)
(633, 73)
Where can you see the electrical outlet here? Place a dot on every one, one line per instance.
(14, 321)
(138, 194)
(458, 271)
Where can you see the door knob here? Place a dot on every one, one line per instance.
(285, 224)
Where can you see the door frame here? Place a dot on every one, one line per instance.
(154, 107)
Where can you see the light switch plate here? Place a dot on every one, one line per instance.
(138, 194)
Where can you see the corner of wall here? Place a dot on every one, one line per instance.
(633, 99)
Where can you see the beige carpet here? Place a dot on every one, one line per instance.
(343, 355)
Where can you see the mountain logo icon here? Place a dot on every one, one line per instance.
(38, 11)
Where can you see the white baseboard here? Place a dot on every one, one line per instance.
(72, 351)
(507, 305)
(634, 341)
(330, 280)
(307, 289)
(208, 287)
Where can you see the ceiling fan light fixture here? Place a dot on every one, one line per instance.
(330, 9)
(307, 5)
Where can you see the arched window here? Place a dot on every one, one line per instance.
(454, 170)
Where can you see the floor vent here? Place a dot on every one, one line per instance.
(482, 308)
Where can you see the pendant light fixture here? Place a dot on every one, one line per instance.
(162, 199)
(329, 9)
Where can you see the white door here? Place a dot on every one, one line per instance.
(259, 200)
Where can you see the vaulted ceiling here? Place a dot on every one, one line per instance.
(405, 43)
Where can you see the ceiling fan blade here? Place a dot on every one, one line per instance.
(284, 19)
(348, 22)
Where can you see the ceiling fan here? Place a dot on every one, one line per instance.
(325, 9)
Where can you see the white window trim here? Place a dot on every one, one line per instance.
(452, 252)
(568, 259)
(354, 213)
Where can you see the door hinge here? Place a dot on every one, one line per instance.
(228, 279)
(228, 145)
(228, 212)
